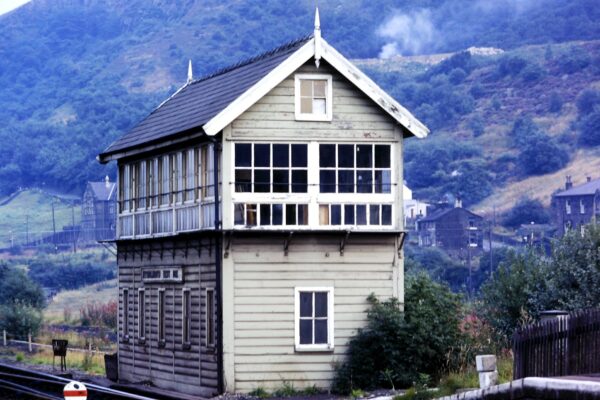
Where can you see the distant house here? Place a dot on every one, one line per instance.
(98, 211)
(413, 209)
(577, 206)
(455, 230)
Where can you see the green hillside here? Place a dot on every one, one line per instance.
(76, 75)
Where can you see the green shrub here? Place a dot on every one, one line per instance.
(589, 129)
(396, 347)
(526, 210)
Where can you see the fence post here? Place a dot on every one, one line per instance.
(29, 345)
(4, 337)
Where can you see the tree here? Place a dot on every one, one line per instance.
(21, 302)
(525, 211)
(396, 347)
(540, 154)
(587, 101)
(589, 129)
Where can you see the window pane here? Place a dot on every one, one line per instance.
(386, 215)
(262, 155)
(364, 156)
(327, 155)
(306, 104)
(327, 179)
(336, 214)
(374, 214)
(320, 88)
(346, 156)
(302, 214)
(349, 214)
(364, 181)
(319, 107)
(306, 327)
(299, 181)
(324, 214)
(261, 181)
(238, 214)
(382, 156)
(265, 214)
(281, 180)
(383, 181)
(306, 304)
(306, 87)
(281, 156)
(243, 154)
(251, 214)
(361, 215)
(321, 304)
(321, 331)
(277, 214)
(290, 214)
(243, 182)
(299, 155)
(346, 181)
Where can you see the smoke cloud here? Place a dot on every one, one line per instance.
(408, 33)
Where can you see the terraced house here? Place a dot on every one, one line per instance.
(258, 208)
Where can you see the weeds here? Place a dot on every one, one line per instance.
(287, 389)
(259, 392)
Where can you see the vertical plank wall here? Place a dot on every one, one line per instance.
(192, 371)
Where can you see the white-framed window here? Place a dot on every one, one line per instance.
(141, 314)
(355, 168)
(355, 214)
(314, 329)
(161, 317)
(568, 206)
(210, 317)
(581, 207)
(277, 214)
(313, 97)
(186, 317)
(271, 167)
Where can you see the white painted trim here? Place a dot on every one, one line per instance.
(330, 320)
(260, 89)
(295, 61)
(328, 98)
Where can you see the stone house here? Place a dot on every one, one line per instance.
(576, 206)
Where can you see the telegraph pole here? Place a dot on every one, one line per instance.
(53, 227)
(73, 227)
(491, 252)
(26, 229)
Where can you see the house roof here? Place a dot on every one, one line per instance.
(102, 190)
(435, 216)
(588, 188)
(207, 105)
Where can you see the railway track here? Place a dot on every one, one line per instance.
(19, 383)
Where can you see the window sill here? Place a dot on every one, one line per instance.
(314, 348)
(314, 117)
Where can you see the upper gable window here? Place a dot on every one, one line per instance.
(313, 96)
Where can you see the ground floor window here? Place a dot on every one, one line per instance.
(314, 318)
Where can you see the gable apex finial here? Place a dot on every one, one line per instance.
(317, 35)
(190, 76)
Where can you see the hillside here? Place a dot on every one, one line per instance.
(75, 75)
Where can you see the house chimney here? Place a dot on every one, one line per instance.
(458, 202)
(589, 178)
(568, 183)
(107, 181)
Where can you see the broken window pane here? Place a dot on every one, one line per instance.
(299, 155)
(281, 157)
(265, 214)
(327, 155)
(243, 154)
(277, 214)
(382, 156)
(262, 155)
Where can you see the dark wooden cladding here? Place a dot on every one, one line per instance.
(568, 345)
(187, 366)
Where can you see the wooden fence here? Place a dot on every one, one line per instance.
(568, 345)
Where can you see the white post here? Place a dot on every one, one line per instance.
(486, 367)
(29, 345)
(4, 337)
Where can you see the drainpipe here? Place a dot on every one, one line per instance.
(218, 238)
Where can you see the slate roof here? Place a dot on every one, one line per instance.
(588, 188)
(102, 192)
(198, 102)
(435, 216)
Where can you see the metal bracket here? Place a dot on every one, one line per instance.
(343, 242)
(401, 239)
(286, 243)
(227, 245)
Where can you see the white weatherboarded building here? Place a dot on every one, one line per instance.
(305, 154)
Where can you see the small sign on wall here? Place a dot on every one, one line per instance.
(162, 274)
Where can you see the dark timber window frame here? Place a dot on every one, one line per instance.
(186, 318)
(209, 317)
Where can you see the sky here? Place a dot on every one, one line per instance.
(9, 5)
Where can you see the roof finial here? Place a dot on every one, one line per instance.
(190, 74)
(317, 36)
